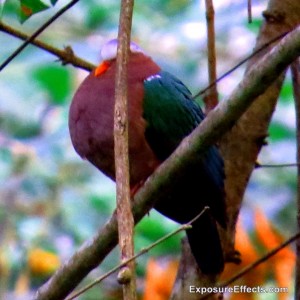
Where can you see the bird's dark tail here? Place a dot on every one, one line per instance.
(205, 244)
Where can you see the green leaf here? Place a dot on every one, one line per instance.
(53, 2)
(101, 204)
(167, 7)
(255, 25)
(1, 7)
(286, 93)
(31, 7)
(10, 9)
(279, 132)
(97, 16)
(55, 80)
(148, 232)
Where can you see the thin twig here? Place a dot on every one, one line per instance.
(66, 56)
(211, 98)
(142, 252)
(256, 263)
(249, 9)
(240, 63)
(126, 275)
(259, 166)
(36, 33)
(295, 68)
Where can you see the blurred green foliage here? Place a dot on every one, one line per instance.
(49, 197)
(31, 7)
(47, 76)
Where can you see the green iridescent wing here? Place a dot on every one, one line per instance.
(170, 112)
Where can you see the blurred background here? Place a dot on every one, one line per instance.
(51, 201)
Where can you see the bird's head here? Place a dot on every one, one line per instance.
(109, 54)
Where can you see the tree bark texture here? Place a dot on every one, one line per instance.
(124, 211)
(241, 146)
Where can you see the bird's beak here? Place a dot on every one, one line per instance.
(102, 68)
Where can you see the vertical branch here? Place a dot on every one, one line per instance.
(295, 68)
(211, 98)
(124, 212)
(249, 8)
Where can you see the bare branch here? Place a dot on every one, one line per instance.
(241, 145)
(142, 252)
(249, 8)
(259, 166)
(36, 33)
(126, 275)
(66, 56)
(253, 54)
(211, 98)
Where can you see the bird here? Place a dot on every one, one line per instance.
(161, 113)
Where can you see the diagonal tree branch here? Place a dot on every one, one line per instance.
(252, 55)
(220, 120)
(241, 145)
(66, 56)
(183, 227)
(37, 33)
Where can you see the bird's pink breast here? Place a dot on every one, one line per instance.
(91, 120)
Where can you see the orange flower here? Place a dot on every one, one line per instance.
(249, 254)
(160, 279)
(283, 262)
(42, 262)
